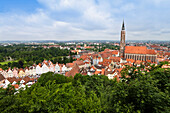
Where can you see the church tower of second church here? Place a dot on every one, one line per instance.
(122, 42)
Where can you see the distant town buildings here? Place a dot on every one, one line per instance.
(108, 62)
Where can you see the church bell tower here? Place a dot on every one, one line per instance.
(122, 42)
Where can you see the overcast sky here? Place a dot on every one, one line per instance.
(84, 19)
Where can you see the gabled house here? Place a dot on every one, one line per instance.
(4, 73)
(51, 68)
(15, 72)
(64, 68)
(2, 78)
(45, 68)
(57, 68)
(21, 73)
(73, 71)
(27, 72)
(38, 69)
(10, 73)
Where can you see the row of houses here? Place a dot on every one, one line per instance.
(106, 63)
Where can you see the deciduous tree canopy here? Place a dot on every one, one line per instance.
(144, 92)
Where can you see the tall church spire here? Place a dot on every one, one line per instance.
(123, 26)
(122, 42)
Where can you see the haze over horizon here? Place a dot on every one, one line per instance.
(84, 19)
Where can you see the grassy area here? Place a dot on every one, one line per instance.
(6, 62)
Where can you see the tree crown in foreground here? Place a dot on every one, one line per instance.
(141, 92)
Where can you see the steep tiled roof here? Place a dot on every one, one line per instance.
(39, 64)
(138, 61)
(115, 59)
(167, 53)
(1, 69)
(11, 80)
(106, 55)
(139, 50)
(78, 62)
(73, 71)
(1, 77)
(16, 85)
(136, 49)
(115, 52)
(103, 71)
(130, 60)
(97, 72)
(151, 51)
(108, 72)
(69, 65)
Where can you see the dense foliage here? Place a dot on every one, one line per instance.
(145, 93)
(26, 56)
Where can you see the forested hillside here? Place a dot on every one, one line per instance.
(141, 92)
(22, 56)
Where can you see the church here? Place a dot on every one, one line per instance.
(135, 52)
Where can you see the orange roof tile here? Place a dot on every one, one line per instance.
(103, 71)
(115, 59)
(69, 64)
(97, 72)
(78, 62)
(167, 53)
(1, 69)
(16, 85)
(39, 64)
(115, 52)
(136, 49)
(73, 71)
(139, 50)
(138, 61)
(1, 77)
(130, 60)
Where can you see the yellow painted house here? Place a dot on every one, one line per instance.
(21, 73)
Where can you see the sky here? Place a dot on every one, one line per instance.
(84, 19)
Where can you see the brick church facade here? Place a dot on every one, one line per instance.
(135, 52)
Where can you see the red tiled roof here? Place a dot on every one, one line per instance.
(136, 49)
(73, 71)
(115, 52)
(130, 60)
(115, 59)
(106, 55)
(16, 85)
(103, 71)
(167, 53)
(138, 61)
(1, 69)
(69, 64)
(107, 49)
(151, 51)
(78, 62)
(97, 72)
(1, 77)
(139, 50)
(39, 64)
(11, 80)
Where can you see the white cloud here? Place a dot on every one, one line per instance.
(97, 21)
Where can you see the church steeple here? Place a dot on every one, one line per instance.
(122, 42)
(123, 26)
